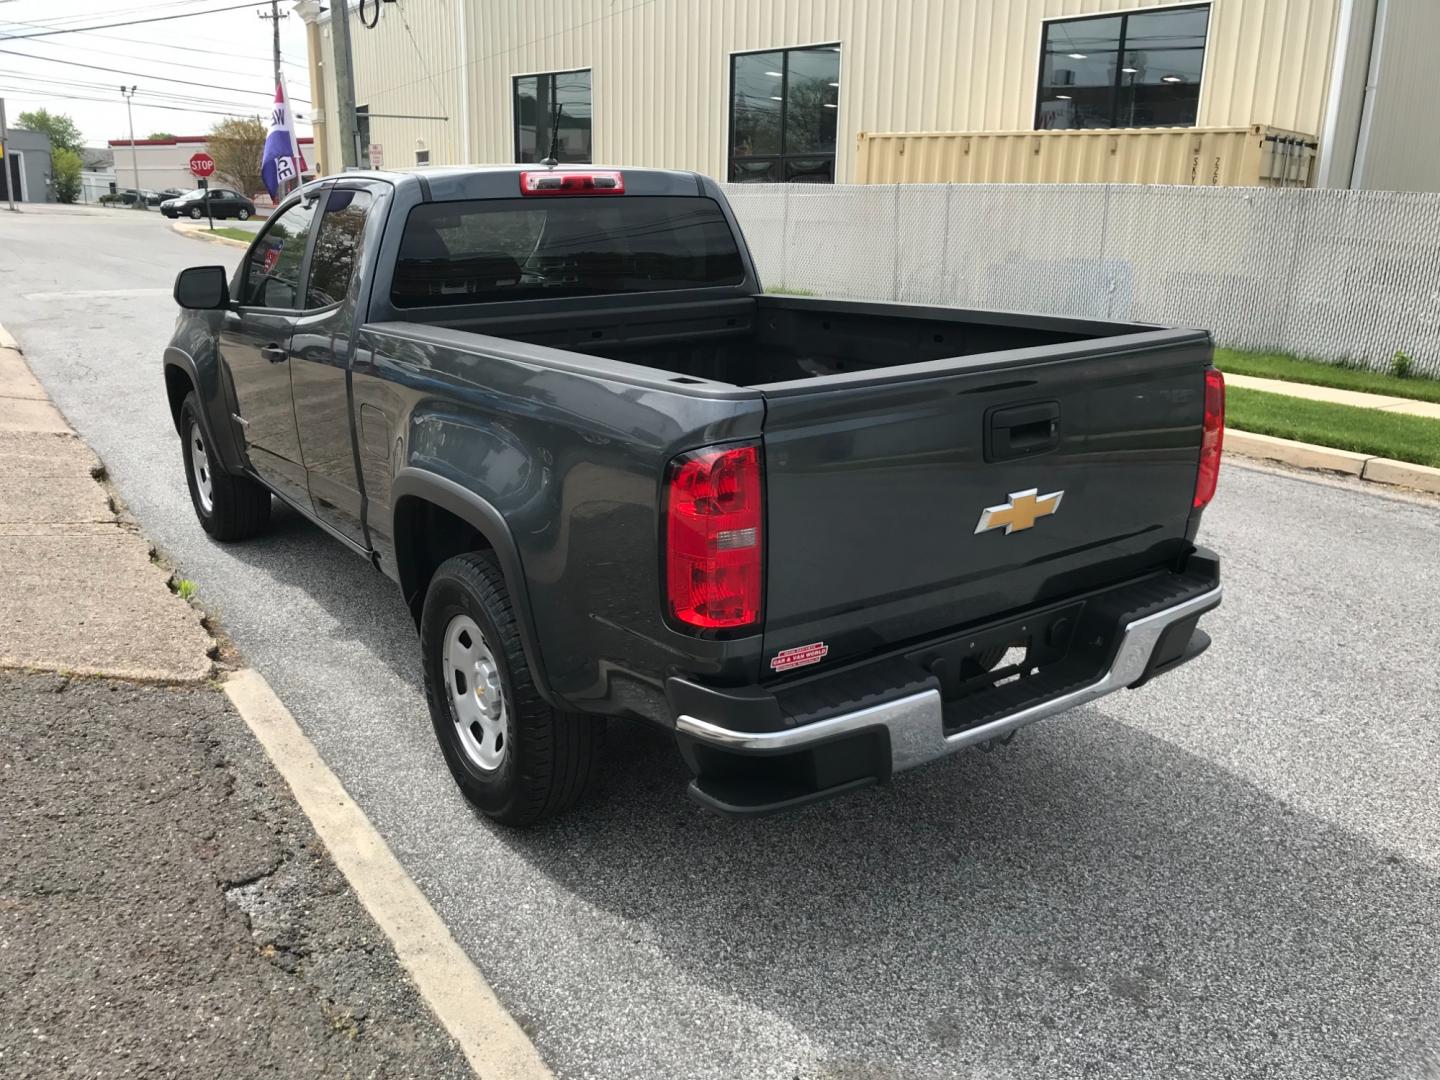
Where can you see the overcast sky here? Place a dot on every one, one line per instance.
(228, 51)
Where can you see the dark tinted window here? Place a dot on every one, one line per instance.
(272, 269)
(783, 108)
(534, 248)
(336, 245)
(553, 112)
(1122, 71)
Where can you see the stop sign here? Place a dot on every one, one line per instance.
(201, 164)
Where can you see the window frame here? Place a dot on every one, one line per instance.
(515, 77)
(1124, 16)
(303, 282)
(728, 152)
(325, 193)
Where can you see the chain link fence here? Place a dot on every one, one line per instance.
(1344, 276)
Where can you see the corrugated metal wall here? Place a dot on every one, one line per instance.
(1400, 140)
(660, 68)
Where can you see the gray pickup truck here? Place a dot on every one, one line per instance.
(820, 541)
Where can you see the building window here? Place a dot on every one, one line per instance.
(552, 113)
(783, 107)
(1137, 70)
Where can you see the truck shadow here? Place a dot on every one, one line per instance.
(1090, 900)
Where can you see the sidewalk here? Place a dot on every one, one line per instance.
(1428, 409)
(166, 909)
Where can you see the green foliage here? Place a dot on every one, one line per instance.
(1341, 375)
(785, 290)
(186, 588)
(65, 166)
(161, 135)
(64, 135)
(236, 144)
(1400, 364)
(1345, 427)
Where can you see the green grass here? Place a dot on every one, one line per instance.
(186, 588)
(236, 234)
(785, 290)
(1344, 427)
(1319, 373)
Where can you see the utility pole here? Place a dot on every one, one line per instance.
(5, 158)
(274, 19)
(134, 157)
(345, 84)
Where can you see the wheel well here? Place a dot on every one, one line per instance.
(425, 536)
(177, 387)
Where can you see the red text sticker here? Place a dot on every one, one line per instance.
(799, 656)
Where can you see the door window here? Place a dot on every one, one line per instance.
(273, 267)
(336, 247)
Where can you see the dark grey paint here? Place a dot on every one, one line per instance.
(874, 461)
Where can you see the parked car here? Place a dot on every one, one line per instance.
(818, 541)
(224, 203)
(174, 192)
(129, 197)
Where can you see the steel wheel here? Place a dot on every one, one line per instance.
(477, 699)
(200, 460)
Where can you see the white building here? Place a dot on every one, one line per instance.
(156, 164)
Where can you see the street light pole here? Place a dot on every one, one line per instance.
(345, 85)
(134, 157)
(5, 159)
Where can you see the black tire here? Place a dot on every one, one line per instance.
(551, 758)
(243, 213)
(195, 214)
(239, 506)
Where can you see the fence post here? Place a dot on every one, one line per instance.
(1109, 279)
(895, 247)
(947, 294)
(785, 237)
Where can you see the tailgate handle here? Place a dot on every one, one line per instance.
(1022, 430)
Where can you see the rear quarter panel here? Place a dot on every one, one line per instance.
(570, 451)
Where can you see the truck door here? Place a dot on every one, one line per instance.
(320, 354)
(255, 347)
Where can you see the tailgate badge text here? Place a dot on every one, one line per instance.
(1022, 510)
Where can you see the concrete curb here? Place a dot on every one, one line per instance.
(444, 974)
(1377, 470)
(198, 234)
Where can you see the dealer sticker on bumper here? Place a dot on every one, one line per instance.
(799, 656)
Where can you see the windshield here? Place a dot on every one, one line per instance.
(191, 196)
(529, 248)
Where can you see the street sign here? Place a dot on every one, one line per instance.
(377, 156)
(201, 164)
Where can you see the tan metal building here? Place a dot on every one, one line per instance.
(840, 90)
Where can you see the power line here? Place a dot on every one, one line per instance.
(46, 95)
(160, 95)
(131, 22)
(139, 74)
(154, 45)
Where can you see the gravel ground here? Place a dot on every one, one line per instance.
(1233, 872)
(166, 910)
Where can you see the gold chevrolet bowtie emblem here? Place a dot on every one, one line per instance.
(1021, 512)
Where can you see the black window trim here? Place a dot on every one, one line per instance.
(780, 157)
(1123, 15)
(306, 194)
(515, 112)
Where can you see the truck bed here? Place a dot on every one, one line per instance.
(761, 340)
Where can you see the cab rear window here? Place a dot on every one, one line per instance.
(529, 249)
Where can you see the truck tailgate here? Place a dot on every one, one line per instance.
(876, 484)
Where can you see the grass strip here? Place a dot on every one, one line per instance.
(235, 234)
(1344, 427)
(1319, 373)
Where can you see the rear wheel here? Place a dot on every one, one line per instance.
(195, 214)
(229, 507)
(514, 757)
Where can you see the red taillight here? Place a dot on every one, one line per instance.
(551, 182)
(1212, 436)
(714, 550)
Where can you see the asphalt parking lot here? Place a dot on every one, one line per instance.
(1232, 872)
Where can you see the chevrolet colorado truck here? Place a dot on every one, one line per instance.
(821, 541)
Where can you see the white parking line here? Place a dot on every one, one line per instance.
(95, 292)
(445, 976)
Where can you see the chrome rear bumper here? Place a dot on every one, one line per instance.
(915, 723)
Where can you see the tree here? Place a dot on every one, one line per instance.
(64, 135)
(65, 165)
(236, 145)
(161, 135)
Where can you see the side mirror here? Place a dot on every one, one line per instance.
(203, 288)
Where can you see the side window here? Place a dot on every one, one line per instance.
(337, 245)
(272, 269)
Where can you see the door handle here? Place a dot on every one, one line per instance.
(275, 354)
(1022, 431)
